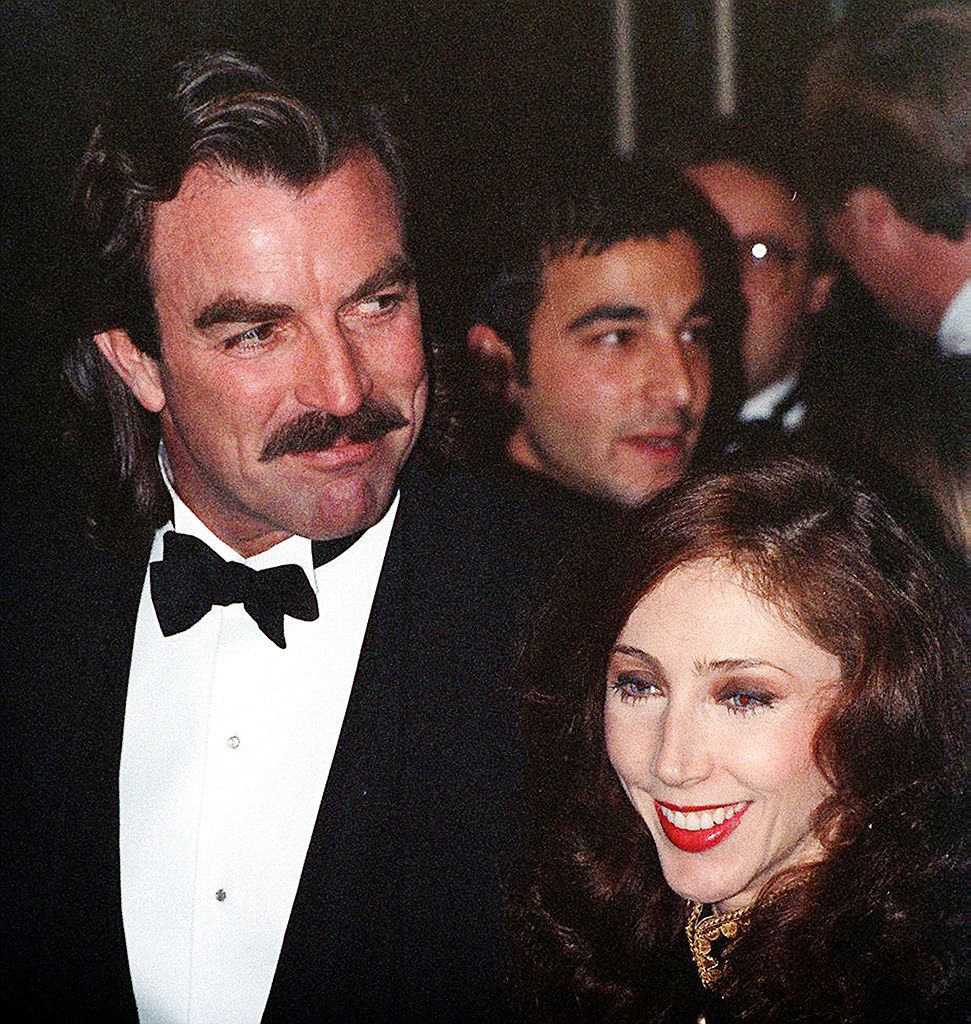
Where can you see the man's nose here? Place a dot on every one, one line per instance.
(682, 756)
(668, 373)
(329, 374)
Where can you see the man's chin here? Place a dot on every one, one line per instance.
(348, 506)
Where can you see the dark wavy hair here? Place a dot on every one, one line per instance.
(586, 205)
(215, 108)
(870, 933)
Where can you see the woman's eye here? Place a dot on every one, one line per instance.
(741, 702)
(633, 688)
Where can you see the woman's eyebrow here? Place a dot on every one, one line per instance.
(705, 667)
(635, 652)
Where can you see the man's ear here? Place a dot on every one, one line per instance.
(820, 285)
(137, 369)
(496, 361)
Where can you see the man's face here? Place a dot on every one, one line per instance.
(774, 236)
(275, 304)
(882, 250)
(618, 370)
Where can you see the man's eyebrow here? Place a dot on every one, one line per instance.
(703, 307)
(627, 314)
(234, 309)
(397, 270)
(764, 236)
(607, 312)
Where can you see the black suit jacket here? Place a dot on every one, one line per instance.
(397, 916)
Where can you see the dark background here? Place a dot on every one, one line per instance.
(482, 88)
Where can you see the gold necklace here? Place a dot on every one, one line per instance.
(704, 933)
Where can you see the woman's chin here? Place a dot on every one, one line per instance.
(724, 893)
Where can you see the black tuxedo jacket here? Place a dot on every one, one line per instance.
(397, 916)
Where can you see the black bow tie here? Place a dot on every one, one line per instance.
(191, 578)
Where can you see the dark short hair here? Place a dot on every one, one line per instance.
(209, 108)
(825, 553)
(769, 151)
(887, 106)
(585, 206)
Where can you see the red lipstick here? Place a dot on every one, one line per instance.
(697, 840)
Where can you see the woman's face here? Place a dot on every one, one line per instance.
(711, 706)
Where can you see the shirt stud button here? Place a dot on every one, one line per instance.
(220, 895)
(233, 742)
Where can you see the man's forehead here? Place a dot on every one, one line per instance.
(231, 218)
(636, 279)
(675, 256)
(751, 199)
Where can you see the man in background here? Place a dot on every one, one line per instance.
(785, 279)
(887, 122)
(608, 330)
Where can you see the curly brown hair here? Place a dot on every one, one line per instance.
(870, 933)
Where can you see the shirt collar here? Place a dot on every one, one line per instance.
(292, 551)
(763, 404)
(954, 334)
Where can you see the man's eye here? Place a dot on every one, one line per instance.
(758, 251)
(378, 305)
(762, 254)
(613, 339)
(695, 334)
(253, 337)
(633, 688)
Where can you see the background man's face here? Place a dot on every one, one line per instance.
(618, 370)
(774, 235)
(273, 304)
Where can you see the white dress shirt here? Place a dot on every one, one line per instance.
(228, 741)
(763, 404)
(954, 333)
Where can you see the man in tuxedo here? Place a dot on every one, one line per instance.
(607, 329)
(887, 121)
(784, 274)
(260, 755)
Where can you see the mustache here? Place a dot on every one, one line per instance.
(315, 431)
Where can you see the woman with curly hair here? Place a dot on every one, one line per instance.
(745, 792)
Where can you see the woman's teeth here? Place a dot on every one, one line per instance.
(695, 821)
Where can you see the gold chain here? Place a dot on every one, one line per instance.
(703, 934)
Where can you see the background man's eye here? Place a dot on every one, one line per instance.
(758, 251)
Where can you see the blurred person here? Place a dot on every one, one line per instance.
(607, 332)
(745, 713)
(887, 121)
(785, 276)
